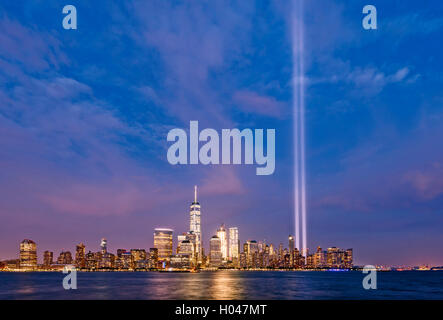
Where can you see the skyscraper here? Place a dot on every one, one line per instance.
(234, 243)
(215, 255)
(104, 245)
(80, 259)
(48, 257)
(195, 224)
(291, 249)
(65, 257)
(163, 242)
(291, 243)
(221, 234)
(28, 254)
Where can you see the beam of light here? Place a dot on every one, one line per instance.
(299, 125)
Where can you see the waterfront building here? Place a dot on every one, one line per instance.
(215, 254)
(333, 257)
(320, 259)
(107, 260)
(252, 253)
(90, 260)
(48, 258)
(28, 254)
(180, 238)
(221, 234)
(126, 260)
(195, 224)
(234, 244)
(139, 258)
(120, 252)
(181, 261)
(163, 243)
(104, 246)
(186, 247)
(65, 257)
(80, 259)
(153, 257)
(349, 258)
(310, 261)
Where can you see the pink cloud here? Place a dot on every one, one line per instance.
(428, 183)
(252, 102)
(221, 181)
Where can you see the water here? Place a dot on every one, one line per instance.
(222, 285)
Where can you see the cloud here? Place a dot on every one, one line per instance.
(34, 50)
(251, 102)
(384, 174)
(427, 183)
(193, 41)
(222, 181)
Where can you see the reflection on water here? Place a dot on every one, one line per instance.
(222, 285)
(226, 286)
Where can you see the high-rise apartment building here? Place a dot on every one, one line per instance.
(221, 234)
(163, 243)
(234, 243)
(28, 254)
(215, 255)
(48, 258)
(80, 258)
(65, 257)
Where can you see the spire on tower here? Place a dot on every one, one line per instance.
(195, 194)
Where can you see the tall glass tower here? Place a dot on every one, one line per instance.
(221, 234)
(234, 243)
(195, 225)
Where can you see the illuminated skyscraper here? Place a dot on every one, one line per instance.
(221, 234)
(234, 243)
(333, 257)
(48, 257)
(28, 254)
(65, 257)
(348, 258)
(291, 243)
(138, 258)
(291, 249)
(215, 255)
(80, 259)
(195, 224)
(104, 245)
(163, 242)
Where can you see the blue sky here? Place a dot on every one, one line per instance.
(84, 116)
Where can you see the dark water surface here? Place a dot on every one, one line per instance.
(222, 285)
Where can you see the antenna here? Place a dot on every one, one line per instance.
(195, 194)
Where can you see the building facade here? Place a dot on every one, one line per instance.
(28, 254)
(221, 234)
(163, 243)
(234, 244)
(195, 224)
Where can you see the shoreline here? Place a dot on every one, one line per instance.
(204, 270)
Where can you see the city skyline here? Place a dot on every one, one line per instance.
(222, 234)
(224, 251)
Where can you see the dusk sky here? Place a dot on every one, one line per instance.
(84, 116)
